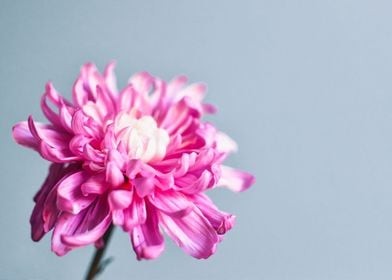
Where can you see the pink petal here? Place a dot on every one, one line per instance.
(69, 194)
(89, 236)
(235, 180)
(84, 228)
(36, 219)
(141, 82)
(110, 78)
(119, 199)
(135, 214)
(53, 143)
(94, 185)
(23, 136)
(190, 184)
(114, 176)
(144, 186)
(147, 240)
(221, 221)
(175, 85)
(193, 233)
(225, 144)
(172, 203)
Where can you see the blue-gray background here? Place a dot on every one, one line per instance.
(305, 87)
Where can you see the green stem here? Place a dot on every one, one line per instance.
(96, 266)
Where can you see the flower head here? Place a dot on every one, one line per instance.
(140, 159)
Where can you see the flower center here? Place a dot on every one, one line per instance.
(142, 137)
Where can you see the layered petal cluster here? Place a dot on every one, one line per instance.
(140, 158)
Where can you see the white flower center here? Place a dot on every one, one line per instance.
(142, 137)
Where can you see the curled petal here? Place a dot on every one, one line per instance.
(22, 135)
(190, 184)
(89, 236)
(119, 199)
(114, 176)
(221, 221)
(235, 180)
(69, 194)
(193, 233)
(38, 216)
(94, 185)
(143, 186)
(53, 144)
(86, 227)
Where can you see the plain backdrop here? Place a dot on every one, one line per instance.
(304, 87)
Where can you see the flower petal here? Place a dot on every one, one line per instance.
(147, 240)
(144, 186)
(119, 199)
(94, 185)
(69, 194)
(37, 219)
(172, 203)
(53, 144)
(193, 233)
(235, 180)
(225, 144)
(221, 221)
(23, 136)
(114, 176)
(86, 227)
(135, 214)
(89, 236)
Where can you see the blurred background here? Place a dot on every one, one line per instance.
(304, 87)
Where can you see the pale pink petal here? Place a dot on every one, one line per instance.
(142, 82)
(225, 144)
(110, 78)
(235, 180)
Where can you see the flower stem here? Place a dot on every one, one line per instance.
(96, 266)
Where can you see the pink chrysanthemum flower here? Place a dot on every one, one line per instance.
(140, 159)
